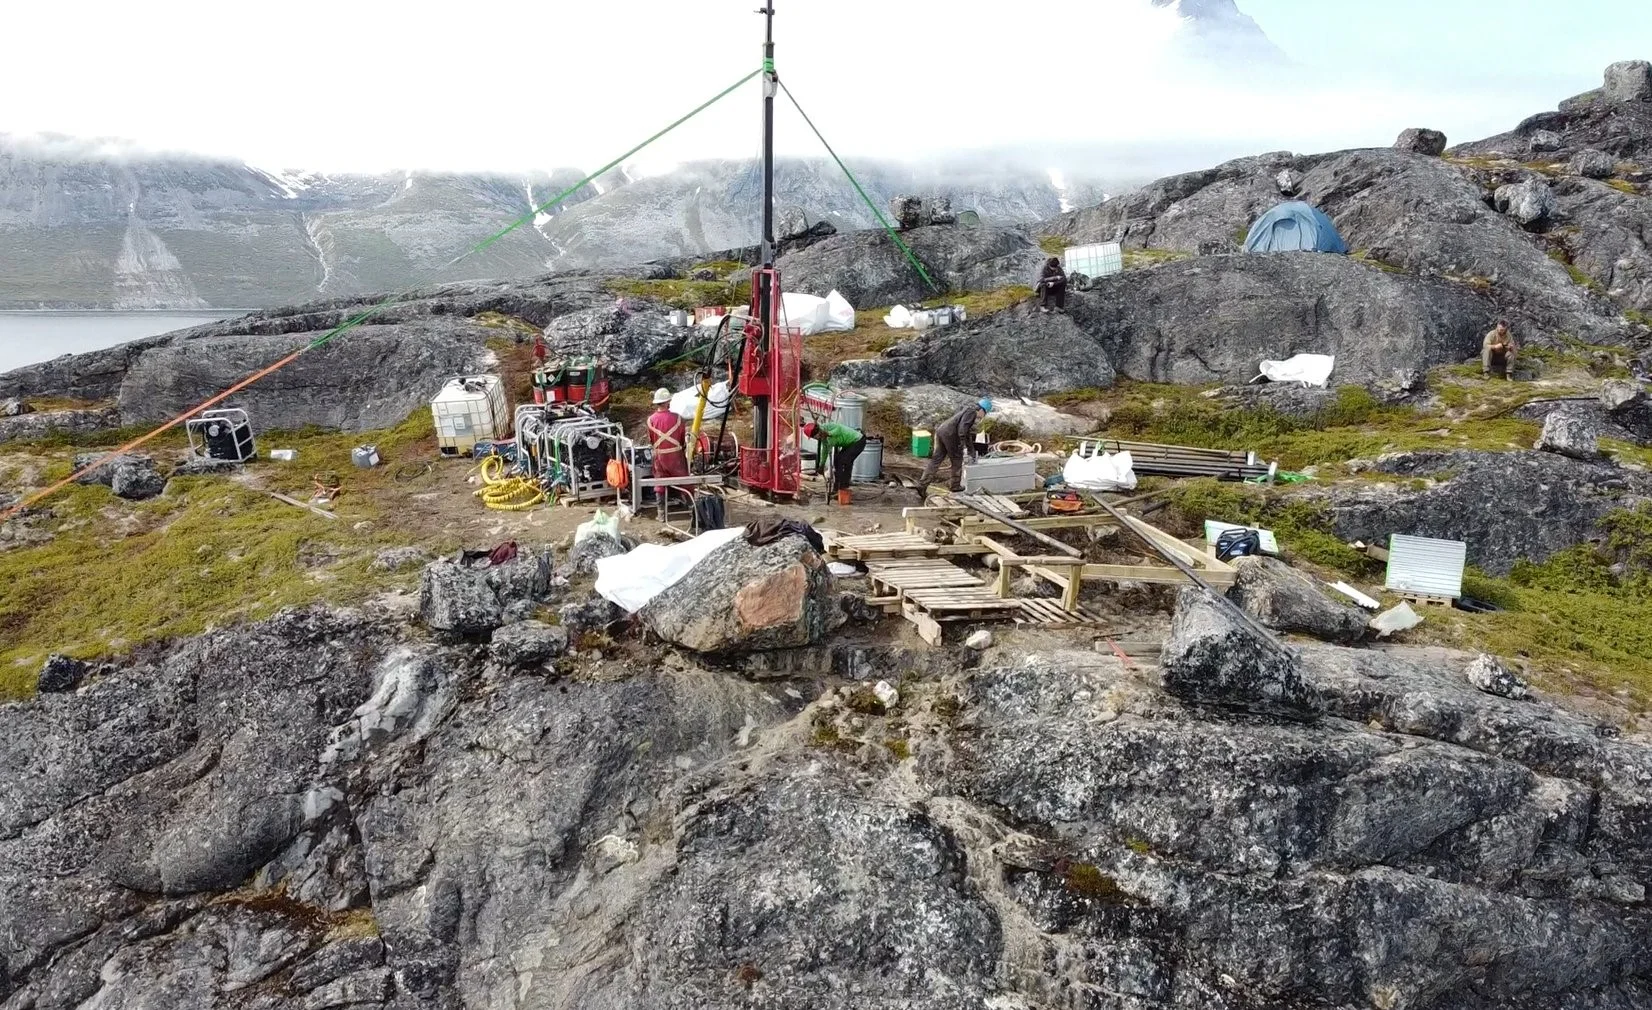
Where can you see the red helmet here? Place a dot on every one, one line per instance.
(811, 429)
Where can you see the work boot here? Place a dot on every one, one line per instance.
(1044, 309)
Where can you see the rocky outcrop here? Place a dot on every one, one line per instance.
(530, 643)
(1593, 164)
(1622, 412)
(1421, 141)
(1504, 505)
(134, 478)
(1415, 813)
(1629, 81)
(1288, 600)
(1569, 435)
(1213, 658)
(926, 406)
(1616, 118)
(462, 599)
(1199, 321)
(372, 375)
(1019, 351)
(747, 599)
(1214, 319)
(1425, 216)
(312, 812)
(631, 339)
(47, 423)
(869, 270)
(1528, 202)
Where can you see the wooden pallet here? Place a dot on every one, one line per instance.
(1001, 504)
(895, 578)
(928, 609)
(1049, 614)
(1423, 600)
(879, 546)
(963, 603)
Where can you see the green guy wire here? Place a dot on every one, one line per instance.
(856, 183)
(375, 309)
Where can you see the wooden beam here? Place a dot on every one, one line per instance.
(928, 628)
(1062, 522)
(1025, 530)
(303, 505)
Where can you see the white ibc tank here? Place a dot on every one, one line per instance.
(468, 410)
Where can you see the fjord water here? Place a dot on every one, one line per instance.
(28, 337)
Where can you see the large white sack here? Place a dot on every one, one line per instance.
(899, 318)
(806, 313)
(840, 315)
(1308, 369)
(1100, 473)
(631, 580)
(685, 401)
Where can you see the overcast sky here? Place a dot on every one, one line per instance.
(509, 84)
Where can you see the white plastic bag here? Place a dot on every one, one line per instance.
(1308, 369)
(631, 580)
(898, 318)
(840, 315)
(1100, 473)
(806, 313)
(600, 524)
(685, 401)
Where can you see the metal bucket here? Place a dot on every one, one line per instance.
(850, 410)
(869, 464)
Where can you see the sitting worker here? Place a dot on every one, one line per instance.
(847, 445)
(667, 434)
(953, 438)
(1497, 352)
(1052, 286)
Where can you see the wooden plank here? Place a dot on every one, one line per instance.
(1028, 531)
(1059, 522)
(1170, 544)
(303, 505)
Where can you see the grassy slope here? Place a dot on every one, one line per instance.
(208, 551)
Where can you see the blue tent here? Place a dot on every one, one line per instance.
(1295, 227)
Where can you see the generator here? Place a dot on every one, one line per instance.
(224, 434)
(572, 453)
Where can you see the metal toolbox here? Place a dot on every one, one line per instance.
(1001, 475)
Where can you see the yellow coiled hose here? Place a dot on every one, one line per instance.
(507, 494)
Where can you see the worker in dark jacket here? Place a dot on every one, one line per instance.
(1052, 286)
(954, 438)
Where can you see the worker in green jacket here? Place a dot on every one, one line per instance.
(847, 444)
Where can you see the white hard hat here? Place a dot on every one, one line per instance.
(662, 395)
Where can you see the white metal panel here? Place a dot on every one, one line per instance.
(1101, 260)
(1426, 566)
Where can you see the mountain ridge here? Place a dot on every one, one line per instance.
(91, 227)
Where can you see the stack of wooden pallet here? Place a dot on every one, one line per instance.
(1151, 458)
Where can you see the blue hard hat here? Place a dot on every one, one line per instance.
(985, 404)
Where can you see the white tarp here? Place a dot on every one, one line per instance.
(1100, 473)
(899, 318)
(630, 580)
(1308, 369)
(685, 401)
(840, 315)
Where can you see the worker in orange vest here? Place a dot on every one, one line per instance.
(667, 434)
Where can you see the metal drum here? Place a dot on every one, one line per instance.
(869, 464)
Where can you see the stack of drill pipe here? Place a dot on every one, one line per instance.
(1149, 458)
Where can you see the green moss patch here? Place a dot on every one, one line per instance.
(1142, 259)
(686, 294)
